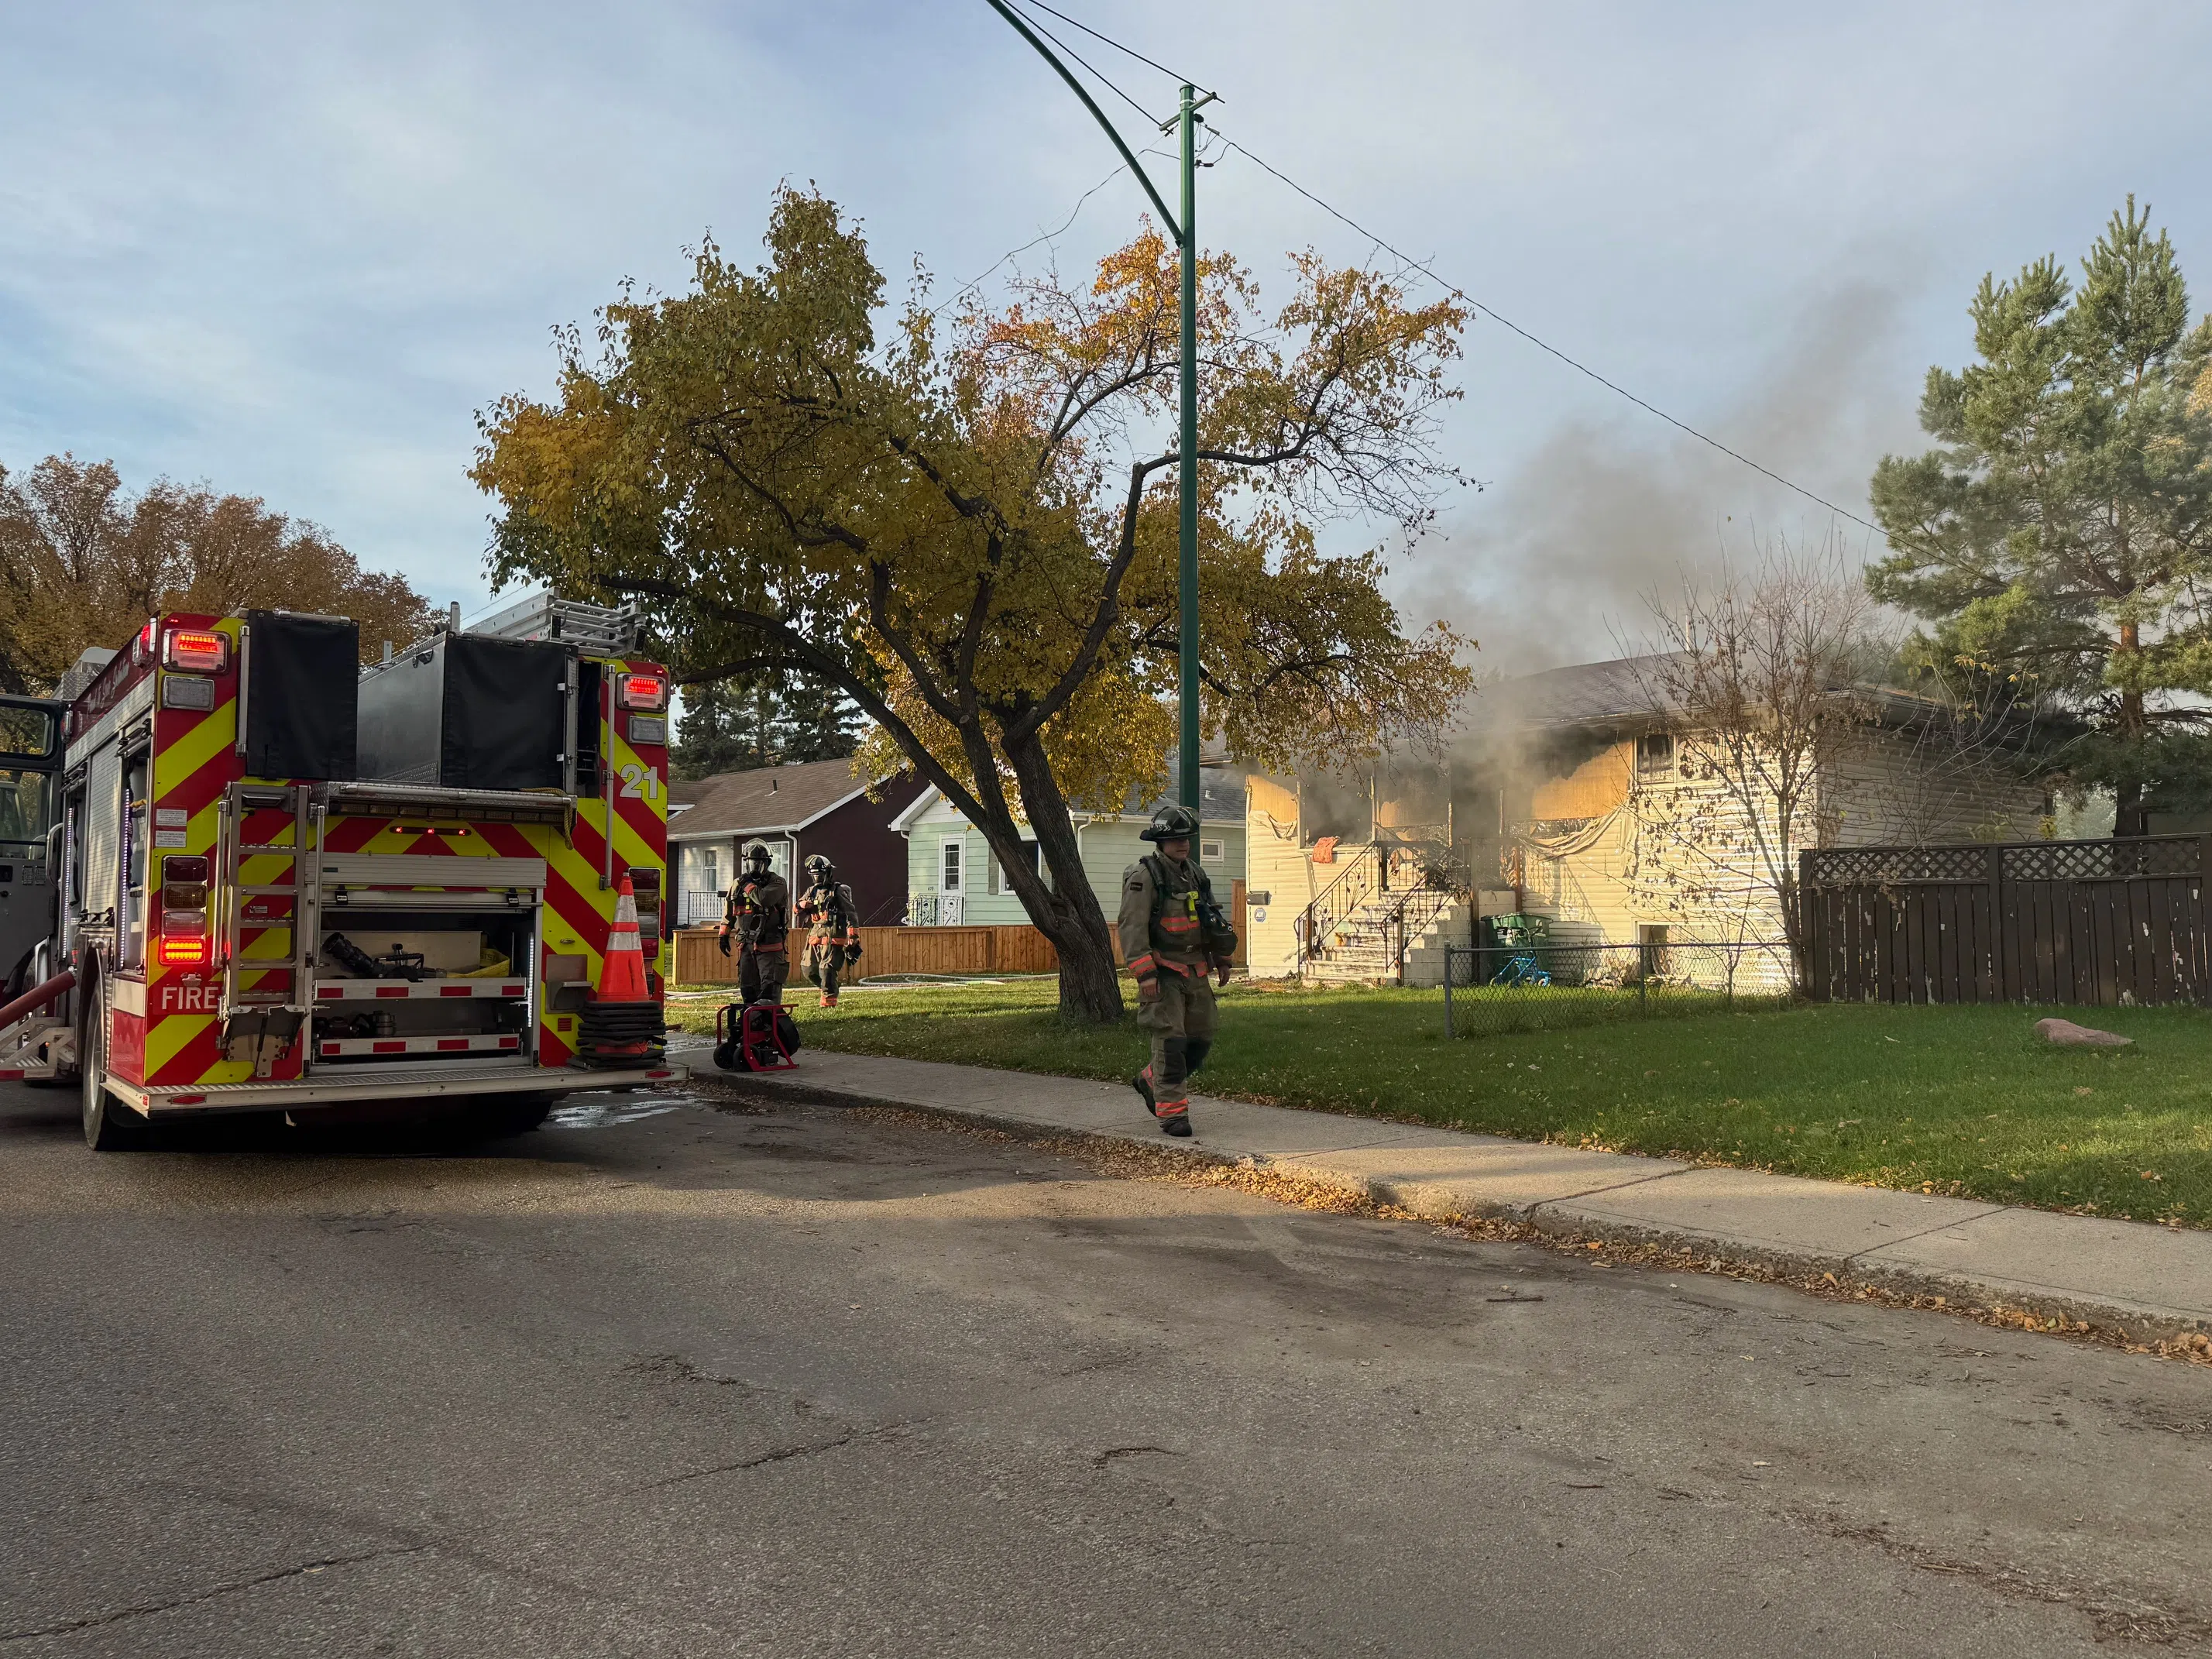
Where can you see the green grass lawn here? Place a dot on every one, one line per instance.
(1963, 1100)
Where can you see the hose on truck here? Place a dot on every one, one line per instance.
(38, 997)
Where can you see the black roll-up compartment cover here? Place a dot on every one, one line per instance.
(506, 701)
(468, 711)
(301, 702)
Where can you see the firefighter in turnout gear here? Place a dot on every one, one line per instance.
(1175, 939)
(832, 935)
(758, 911)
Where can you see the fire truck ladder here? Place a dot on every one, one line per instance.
(260, 1022)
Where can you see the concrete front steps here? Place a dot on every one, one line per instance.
(1369, 955)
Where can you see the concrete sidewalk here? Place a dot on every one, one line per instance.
(2152, 1281)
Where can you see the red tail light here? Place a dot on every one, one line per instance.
(641, 691)
(182, 940)
(195, 651)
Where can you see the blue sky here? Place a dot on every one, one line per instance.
(291, 249)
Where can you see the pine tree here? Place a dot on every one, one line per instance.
(726, 727)
(761, 719)
(813, 721)
(2061, 539)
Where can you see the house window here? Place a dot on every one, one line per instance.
(1655, 754)
(995, 876)
(948, 879)
(1213, 852)
(1653, 955)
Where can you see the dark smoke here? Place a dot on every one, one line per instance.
(1551, 565)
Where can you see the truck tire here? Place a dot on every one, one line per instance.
(517, 1115)
(109, 1125)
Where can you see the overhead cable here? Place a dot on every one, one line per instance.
(1096, 73)
(1130, 51)
(1459, 292)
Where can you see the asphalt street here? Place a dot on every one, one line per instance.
(677, 1376)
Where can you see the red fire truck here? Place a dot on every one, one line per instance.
(287, 884)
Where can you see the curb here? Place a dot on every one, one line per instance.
(1960, 1293)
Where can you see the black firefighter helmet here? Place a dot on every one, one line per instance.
(1170, 824)
(819, 869)
(758, 856)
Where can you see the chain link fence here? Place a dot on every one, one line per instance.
(1545, 985)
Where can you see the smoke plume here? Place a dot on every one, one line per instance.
(1553, 563)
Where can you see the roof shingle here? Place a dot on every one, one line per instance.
(764, 801)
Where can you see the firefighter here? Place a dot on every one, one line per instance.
(758, 911)
(1175, 939)
(833, 936)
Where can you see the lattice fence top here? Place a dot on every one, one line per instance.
(1892, 867)
(2032, 860)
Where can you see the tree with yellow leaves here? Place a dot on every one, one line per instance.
(966, 523)
(83, 563)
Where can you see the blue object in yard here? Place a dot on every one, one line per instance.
(1522, 968)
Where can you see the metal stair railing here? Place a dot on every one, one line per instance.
(1354, 887)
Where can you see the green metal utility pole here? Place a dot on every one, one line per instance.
(1188, 446)
(1184, 228)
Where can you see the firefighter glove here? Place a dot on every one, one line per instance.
(1221, 965)
(1148, 988)
(723, 941)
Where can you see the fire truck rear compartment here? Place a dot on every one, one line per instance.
(448, 986)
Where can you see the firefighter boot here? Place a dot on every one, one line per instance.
(1175, 1117)
(828, 999)
(1142, 1083)
(1172, 1101)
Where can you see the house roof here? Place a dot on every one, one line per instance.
(1587, 694)
(1220, 794)
(766, 800)
(1629, 694)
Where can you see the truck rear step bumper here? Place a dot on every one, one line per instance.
(419, 1082)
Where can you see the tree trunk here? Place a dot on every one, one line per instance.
(1089, 985)
(2129, 817)
(1089, 989)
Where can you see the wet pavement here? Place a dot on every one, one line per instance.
(682, 1376)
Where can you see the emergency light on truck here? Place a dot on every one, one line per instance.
(195, 651)
(645, 691)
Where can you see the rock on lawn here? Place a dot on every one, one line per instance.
(2067, 1034)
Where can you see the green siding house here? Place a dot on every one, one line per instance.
(952, 879)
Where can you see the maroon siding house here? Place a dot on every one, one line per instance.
(817, 806)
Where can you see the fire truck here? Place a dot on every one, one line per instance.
(281, 882)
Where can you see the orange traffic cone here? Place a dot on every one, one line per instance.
(621, 972)
(622, 1024)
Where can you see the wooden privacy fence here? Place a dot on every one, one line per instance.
(2101, 923)
(890, 950)
(1020, 950)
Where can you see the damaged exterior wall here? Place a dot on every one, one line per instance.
(1630, 841)
(1281, 865)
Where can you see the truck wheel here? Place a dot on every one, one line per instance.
(517, 1115)
(109, 1125)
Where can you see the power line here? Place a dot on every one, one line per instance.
(1049, 235)
(1096, 73)
(1458, 292)
(1128, 51)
